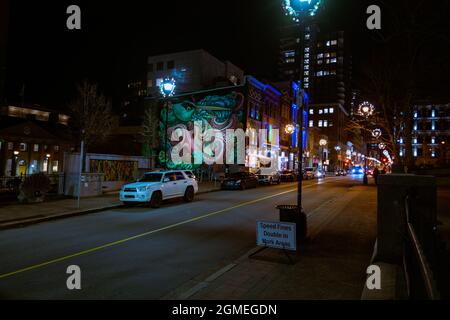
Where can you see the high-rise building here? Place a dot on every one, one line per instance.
(321, 60)
(430, 139)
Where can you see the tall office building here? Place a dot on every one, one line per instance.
(321, 60)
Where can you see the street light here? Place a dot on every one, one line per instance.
(322, 143)
(338, 150)
(289, 129)
(366, 109)
(167, 89)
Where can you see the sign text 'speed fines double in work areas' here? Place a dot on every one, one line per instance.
(279, 235)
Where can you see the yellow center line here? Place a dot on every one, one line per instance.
(110, 244)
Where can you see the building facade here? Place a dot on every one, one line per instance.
(431, 130)
(32, 140)
(193, 70)
(321, 60)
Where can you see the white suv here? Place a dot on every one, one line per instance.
(156, 186)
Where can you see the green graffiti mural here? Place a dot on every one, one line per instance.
(219, 112)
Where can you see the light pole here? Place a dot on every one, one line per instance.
(167, 89)
(289, 129)
(322, 143)
(366, 110)
(338, 150)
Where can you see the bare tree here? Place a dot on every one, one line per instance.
(395, 73)
(92, 117)
(150, 127)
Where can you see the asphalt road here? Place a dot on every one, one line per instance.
(143, 253)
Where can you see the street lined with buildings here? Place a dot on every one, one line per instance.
(139, 252)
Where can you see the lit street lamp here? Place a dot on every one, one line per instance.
(365, 109)
(338, 150)
(167, 89)
(289, 129)
(322, 143)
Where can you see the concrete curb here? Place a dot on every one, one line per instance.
(27, 222)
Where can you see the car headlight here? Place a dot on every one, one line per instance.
(238, 181)
(143, 189)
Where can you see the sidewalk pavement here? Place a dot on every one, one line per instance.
(331, 264)
(18, 215)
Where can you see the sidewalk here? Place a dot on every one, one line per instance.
(330, 265)
(22, 214)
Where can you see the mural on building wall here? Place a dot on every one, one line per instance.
(115, 170)
(213, 111)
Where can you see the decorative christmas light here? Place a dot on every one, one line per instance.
(296, 8)
(382, 145)
(376, 133)
(323, 142)
(366, 109)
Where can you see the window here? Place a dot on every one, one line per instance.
(325, 123)
(325, 111)
(330, 123)
(307, 36)
(306, 79)
(171, 176)
(331, 110)
(306, 67)
(306, 85)
(23, 147)
(311, 123)
(319, 61)
(56, 148)
(433, 140)
(311, 111)
(149, 83)
(179, 176)
(433, 113)
(289, 54)
(290, 60)
(320, 73)
(150, 67)
(333, 60)
(306, 61)
(36, 147)
(307, 49)
(10, 145)
(306, 73)
(320, 56)
(320, 111)
(160, 66)
(320, 123)
(170, 65)
(55, 166)
(333, 42)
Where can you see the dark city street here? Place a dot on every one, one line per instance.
(218, 159)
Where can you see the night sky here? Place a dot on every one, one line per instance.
(117, 36)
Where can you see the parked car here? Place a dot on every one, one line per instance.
(240, 180)
(157, 186)
(269, 178)
(341, 172)
(288, 175)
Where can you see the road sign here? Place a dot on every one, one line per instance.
(279, 235)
